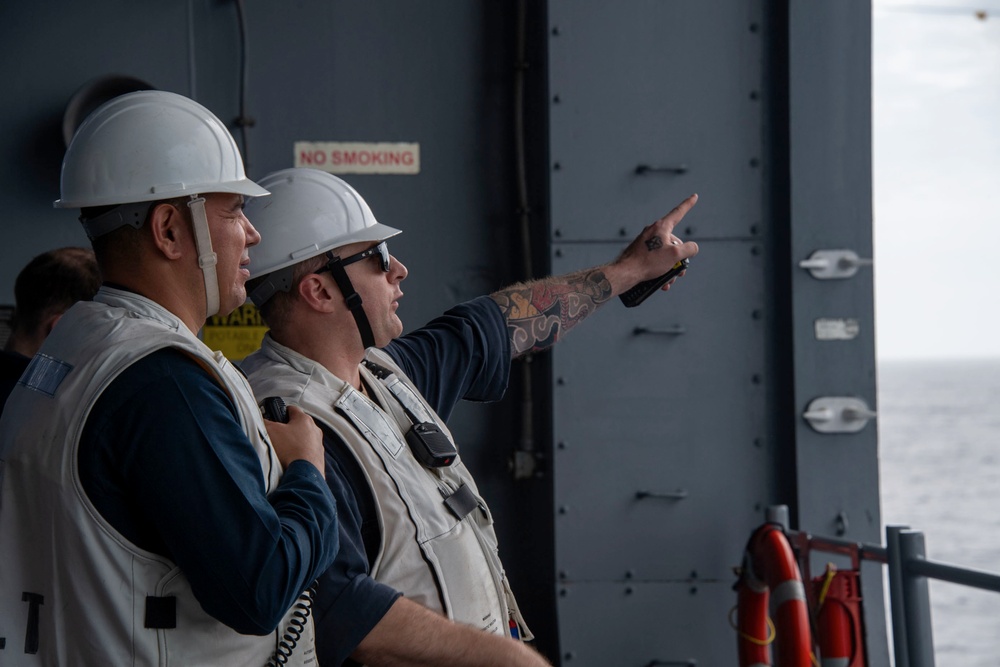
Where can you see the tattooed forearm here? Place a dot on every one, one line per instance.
(540, 313)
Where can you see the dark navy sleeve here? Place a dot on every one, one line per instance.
(164, 459)
(464, 354)
(349, 603)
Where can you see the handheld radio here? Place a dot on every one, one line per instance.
(633, 297)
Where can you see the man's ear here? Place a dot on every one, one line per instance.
(170, 230)
(319, 294)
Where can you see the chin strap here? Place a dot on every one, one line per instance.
(271, 284)
(352, 298)
(207, 259)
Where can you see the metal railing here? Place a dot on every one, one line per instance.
(909, 598)
(909, 571)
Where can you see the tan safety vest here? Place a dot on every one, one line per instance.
(428, 552)
(74, 591)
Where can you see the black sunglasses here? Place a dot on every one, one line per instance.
(382, 250)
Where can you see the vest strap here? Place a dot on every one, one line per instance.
(462, 502)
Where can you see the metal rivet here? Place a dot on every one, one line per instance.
(557, 232)
(754, 95)
(556, 166)
(568, 655)
(628, 590)
(755, 250)
(555, 99)
(560, 381)
(629, 574)
(754, 163)
(757, 442)
(688, 231)
(756, 378)
(558, 252)
(756, 314)
(555, 30)
(563, 509)
(754, 27)
(561, 445)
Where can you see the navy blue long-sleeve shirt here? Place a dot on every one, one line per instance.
(464, 354)
(164, 460)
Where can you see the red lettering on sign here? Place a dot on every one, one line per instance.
(312, 157)
(359, 158)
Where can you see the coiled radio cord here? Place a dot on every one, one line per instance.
(296, 626)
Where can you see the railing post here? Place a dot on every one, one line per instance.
(897, 608)
(778, 514)
(916, 600)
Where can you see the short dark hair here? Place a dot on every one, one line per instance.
(51, 283)
(275, 310)
(125, 243)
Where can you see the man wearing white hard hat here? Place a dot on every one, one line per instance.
(418, 579)
(148, 515)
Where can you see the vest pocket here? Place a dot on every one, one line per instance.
(469, 575)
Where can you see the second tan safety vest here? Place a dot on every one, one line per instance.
(435, 557)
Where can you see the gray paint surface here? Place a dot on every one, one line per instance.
(766, 104)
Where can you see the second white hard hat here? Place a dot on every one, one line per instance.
(308, 213)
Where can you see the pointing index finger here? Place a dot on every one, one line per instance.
(677, 214)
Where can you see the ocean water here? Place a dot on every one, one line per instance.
(939, 448)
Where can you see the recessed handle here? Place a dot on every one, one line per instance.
(661, 169)
(679, 494)
(675, 330)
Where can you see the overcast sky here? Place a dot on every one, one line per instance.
(936, 120)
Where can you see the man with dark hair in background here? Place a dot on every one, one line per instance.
(45, 289)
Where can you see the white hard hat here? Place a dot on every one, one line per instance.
(308, 213)
(147, 146)
(150, 145)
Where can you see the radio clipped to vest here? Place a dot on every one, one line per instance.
(428, 443)
(273, 408)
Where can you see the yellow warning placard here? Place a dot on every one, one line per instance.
(236, 335)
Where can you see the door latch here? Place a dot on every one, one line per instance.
(838, 414)
(833, 264)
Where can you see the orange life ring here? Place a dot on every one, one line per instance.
(771, 575)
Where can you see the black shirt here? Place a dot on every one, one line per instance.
(12, 365)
